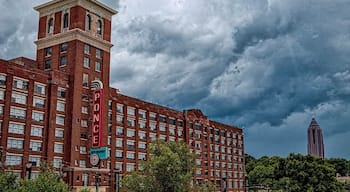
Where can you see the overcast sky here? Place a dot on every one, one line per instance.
(264, 65)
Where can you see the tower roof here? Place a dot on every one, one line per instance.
(313, 123)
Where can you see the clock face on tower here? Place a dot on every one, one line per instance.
(94, 159)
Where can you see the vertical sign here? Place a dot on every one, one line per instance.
(97, 118)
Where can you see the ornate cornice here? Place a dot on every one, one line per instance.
(74, 34)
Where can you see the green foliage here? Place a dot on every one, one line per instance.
(340, 165)
(8, 181)
(169, 169)
(47, 180)
(295, 173)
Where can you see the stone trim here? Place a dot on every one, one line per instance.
(92, 5)
(74, 34)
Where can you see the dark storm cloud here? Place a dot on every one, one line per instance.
(273, 65)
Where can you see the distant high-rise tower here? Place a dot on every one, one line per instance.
(315, 144)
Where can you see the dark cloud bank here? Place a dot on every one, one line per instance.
(263, 65)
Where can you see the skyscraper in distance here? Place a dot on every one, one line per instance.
(315, 144)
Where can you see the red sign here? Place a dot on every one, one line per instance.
(97, 118)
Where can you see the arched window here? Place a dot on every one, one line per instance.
(99, 27)
(65, 20)
(50, 25)
(88, 22)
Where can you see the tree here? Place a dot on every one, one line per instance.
(169, 169)
(8, 181)
(294, 173)
(340, 165)
(47, 180)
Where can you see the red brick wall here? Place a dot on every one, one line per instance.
(77, 18)
(42, 27)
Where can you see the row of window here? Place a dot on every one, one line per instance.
(65, 24)
(17, 143)
(22, 84)
(15, 160)
(131, 111)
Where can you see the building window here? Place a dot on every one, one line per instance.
(120, 119)
(120, 108)
(162, 128)
(39, 89)
(131, 111)
(59, 120)
(119, 131)
(20, 84)
(142, 114)
(38, 102)
(82, 163)
(13, 160)
(172, 121)
(130, 155)
(61, 93)
(36, 131)
(48, 51)
(86, 49)
(119, 154)
(50, 25)
(130, 133)
(162, 119)
(85, 179)
(64, 47)
(60, 106)
(58, 148)
(142, 135)
(65, 20)
(131, 122)
(119, 143)
(152, 126)
(98, 66)
(84, 109)
(142, 156)
(142, 145)
(1, 109)
(130, 144)
(142, 124)
(130, 167)
(2, 79)
(35, 161)
(47, 64)
(14, 143)
(63, 61)
(59, 133)
(18, 98)
(2, 94)
(83, 123)
(57, 162)
(88, 22)
(98, 53)
(16, 128)
(99, 27)
(152, 116)
(172, 131)
(85, 80)
(35, 146)
(17, 113)
(86, 62)
(37, 116)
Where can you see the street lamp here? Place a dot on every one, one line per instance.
(29, 169)
(116, 183)
(97, 180)
(224, 183)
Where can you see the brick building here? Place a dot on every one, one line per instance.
(48, 108)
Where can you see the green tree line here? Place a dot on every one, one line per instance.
(296, 173)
